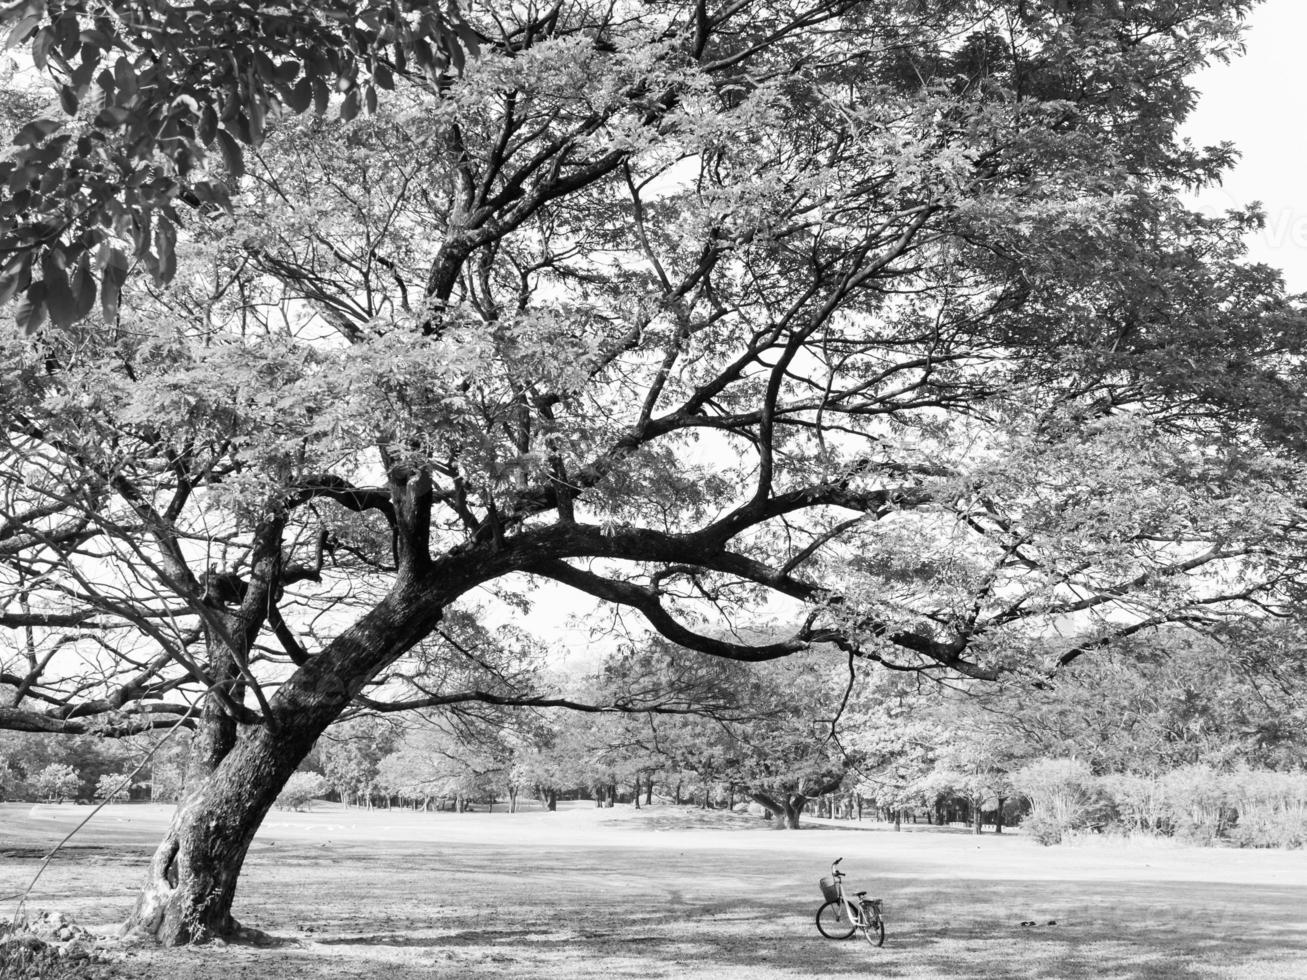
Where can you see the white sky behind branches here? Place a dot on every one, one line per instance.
(1259, 103)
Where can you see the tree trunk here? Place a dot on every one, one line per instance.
(977, 819)
(898, 819)
(191, 882)
(188, 892)
(787, 811)
(635, 796)
(648, 791)
(998, 816)
(676, 797)
(793, 810)
(551, 800)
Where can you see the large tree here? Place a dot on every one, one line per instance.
(875, 324)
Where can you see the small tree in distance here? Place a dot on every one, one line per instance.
(57, 782)
(301, 789)
(112, 787)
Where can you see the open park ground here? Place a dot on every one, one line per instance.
(675, 892)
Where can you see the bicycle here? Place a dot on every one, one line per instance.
(840, 917)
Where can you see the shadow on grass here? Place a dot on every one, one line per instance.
(1162, 931)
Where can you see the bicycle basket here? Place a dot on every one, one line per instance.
(828, 890)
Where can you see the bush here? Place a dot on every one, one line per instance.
(300, 789)
(1044, 830)
(1140, 802)
(1198, 800)
(1064, 796)
(1272, 809)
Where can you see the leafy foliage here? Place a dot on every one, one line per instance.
(150, 92)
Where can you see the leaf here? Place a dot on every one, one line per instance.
(265, 67)
(350, 107)
(83, 287)
(467, 37)
(231, 153)
(59, 298)
(111, 283)
(34, 132)
(68, 99)
(321, 96)
(300, 96)
(208, 125)
(124, 75)
(41, 45)
(31, 311)
(255, 110)
(16, 277)
(23, 30)
(165, 247)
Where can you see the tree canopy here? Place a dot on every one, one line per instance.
(868, 326)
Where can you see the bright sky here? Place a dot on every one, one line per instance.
(1259, 103)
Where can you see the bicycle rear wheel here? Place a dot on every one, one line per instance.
(833, 923)
(873, 930)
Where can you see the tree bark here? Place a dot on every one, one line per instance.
(191, 882)
(787, 810)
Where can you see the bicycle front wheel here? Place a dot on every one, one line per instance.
(874, 931)
(833, 923)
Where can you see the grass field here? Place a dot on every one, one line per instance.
(675, 892)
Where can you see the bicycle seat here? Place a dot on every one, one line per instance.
(860, 894)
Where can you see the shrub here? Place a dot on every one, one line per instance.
(300, 789)
(1043, 830)
(1198, 800)
(1063, 795)
(1272, 808)
(1141, 803)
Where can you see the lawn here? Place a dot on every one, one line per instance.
(674, 892)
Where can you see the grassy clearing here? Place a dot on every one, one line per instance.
(671, 892)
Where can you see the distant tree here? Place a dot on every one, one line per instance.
(56, 782)
(11, 784)
(111, 787)
(301, 789)
(350, 755)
